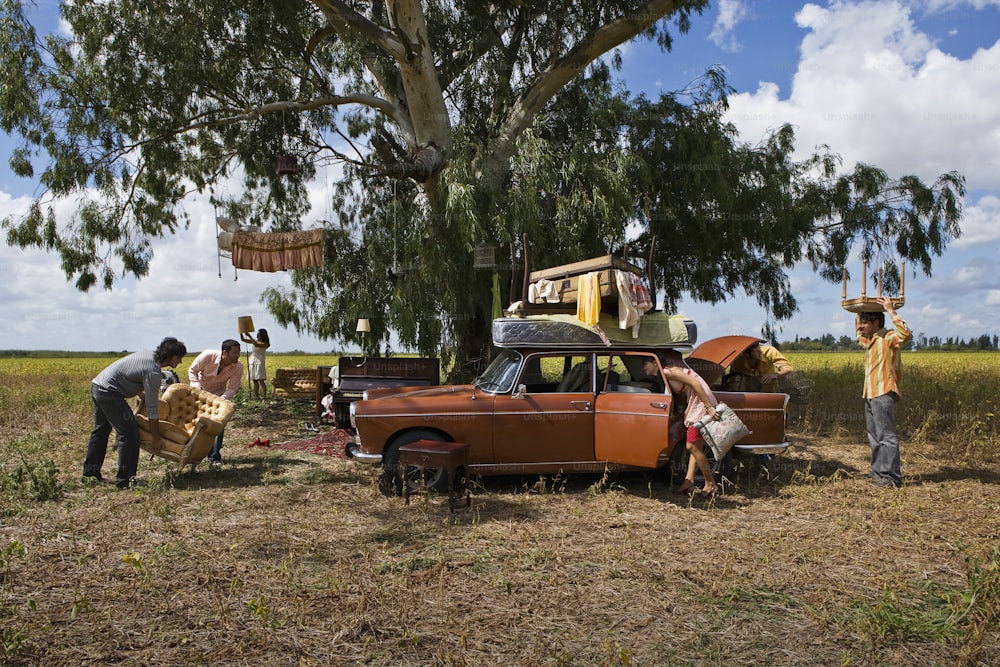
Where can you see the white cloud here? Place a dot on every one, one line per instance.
(980, 224)
(731, 14)
(183, 296)
(876, 90)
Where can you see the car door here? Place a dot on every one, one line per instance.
(631, 423)
(552, 419)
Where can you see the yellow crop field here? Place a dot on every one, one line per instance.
(949, 396)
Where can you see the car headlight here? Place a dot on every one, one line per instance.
(354, 423)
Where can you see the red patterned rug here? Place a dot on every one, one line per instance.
(330, 443)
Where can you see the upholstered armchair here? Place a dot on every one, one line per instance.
(295, 382)
(190, 419)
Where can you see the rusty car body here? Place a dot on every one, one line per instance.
(574, 408)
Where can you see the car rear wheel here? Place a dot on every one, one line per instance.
(394, 475)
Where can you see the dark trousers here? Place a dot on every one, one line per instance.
(215, 456)
(111, 411)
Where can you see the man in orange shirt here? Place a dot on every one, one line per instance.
(883, 372)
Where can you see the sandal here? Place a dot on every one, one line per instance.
(686, 490)
(716, 490)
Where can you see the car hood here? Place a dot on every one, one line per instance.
(415, 392)
(713, 356)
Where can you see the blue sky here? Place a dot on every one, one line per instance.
(913, 87)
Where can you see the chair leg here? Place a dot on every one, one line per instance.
(188, 446)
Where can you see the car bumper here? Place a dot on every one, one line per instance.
(770, 448)
(355, 452)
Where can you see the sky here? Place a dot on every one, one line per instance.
(910, 86)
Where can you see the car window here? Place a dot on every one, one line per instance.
(499, 376)
(550, 373)
(631, 377)
(576, 376)
(611, 371)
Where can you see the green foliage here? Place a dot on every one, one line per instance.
(455, 130)
(13, 550)
(936, 612)
(38, 481)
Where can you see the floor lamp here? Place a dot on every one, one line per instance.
(364, 328)
(245, 325)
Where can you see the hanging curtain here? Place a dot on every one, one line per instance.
(277, 251)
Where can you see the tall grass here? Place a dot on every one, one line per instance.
(949, 399)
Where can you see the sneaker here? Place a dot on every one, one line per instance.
(132, 483)
(884, 482)
(215, 465)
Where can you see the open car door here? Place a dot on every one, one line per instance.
(631, 423)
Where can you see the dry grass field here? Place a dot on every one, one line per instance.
(294, 558)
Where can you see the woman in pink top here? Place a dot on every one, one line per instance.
(700, 402)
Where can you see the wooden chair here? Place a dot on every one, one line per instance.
(189, 420)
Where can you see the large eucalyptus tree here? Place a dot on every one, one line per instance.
(457, 125)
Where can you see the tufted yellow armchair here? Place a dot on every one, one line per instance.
(190, 419)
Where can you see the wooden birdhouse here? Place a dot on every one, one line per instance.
(484, 257)
(288, 165)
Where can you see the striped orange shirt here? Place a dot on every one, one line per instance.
(883, 367)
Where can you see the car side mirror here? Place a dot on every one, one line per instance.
(519, 392)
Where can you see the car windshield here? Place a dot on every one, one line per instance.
(500, 375)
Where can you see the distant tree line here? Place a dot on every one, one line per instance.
(828, 343)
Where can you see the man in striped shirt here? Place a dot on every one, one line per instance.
(130, 376)
(883, 372)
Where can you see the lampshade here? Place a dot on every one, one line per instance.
(245, 324)
(363, 326)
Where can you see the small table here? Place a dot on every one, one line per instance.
(448, 457)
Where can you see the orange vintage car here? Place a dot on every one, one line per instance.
(558, 403)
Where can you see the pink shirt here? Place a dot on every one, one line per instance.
(204, 374)
(696, 410)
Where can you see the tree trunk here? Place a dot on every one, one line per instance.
(475, 347)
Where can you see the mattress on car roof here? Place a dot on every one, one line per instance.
(550, 331)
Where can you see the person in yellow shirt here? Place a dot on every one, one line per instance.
(764, 362)
(883, 373)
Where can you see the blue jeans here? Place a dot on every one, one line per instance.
(880, 418)
(215, 456)
(112, 411)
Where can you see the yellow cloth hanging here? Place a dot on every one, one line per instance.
(588, 300)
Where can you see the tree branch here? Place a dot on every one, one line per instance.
(347, 21)
(559, 73)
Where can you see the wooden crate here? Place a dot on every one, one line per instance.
(567, 277)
